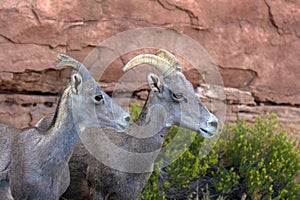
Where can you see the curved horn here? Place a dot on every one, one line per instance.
(76, 65)
(68, 61)
(170, 58)
(159, 63)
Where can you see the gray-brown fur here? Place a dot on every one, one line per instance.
(5, 192)
(34, 161)
(98, 181)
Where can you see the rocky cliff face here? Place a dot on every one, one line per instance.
(255, 44)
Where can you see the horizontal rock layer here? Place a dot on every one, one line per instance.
(22, 110)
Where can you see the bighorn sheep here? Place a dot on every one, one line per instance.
(34, 161)
(91, 179)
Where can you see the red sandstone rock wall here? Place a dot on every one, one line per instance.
(255, 43)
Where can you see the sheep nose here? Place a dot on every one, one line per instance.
(213, 124)
(127, 118)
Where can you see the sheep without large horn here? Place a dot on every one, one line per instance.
(34, 161)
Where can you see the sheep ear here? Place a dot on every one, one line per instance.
(45, 123)
(76, 83)
(155, 83)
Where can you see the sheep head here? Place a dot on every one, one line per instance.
(175, 93)
(91, 106)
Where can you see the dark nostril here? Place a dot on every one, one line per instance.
(213, 124)
(127, 118)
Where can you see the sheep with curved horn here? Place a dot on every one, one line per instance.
(91, 179)
(34, 161)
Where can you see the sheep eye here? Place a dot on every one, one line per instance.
(99, 98)
(177, 97)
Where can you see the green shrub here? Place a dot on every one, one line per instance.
(262, 157)
(257, 161)
(153, 190)
(135, 110)
(178, 176)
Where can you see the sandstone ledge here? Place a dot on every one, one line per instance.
(22, 110)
